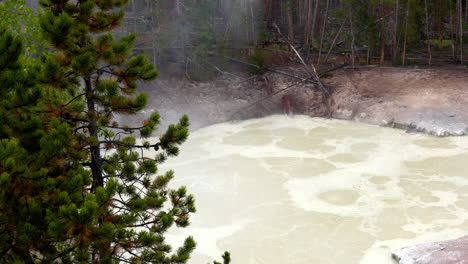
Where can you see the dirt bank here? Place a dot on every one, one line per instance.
(428, 100)
(434, 101)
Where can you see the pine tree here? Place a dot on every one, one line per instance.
(76, 186)
(128, 211)
(38, 177)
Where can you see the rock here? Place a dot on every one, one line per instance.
(447, 252)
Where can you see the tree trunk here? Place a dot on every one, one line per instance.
(308, 23)
(350, 14)
(178, 7)
(300, 12)
(452, 33)
(382, 32)
(460, 20)
(314, 21)
(290, 23)
(406, 34)
(322, 35)
(268, 12)
(395, 32)
(382, 47)
(429, 51)
(466, 11)
(96, 159)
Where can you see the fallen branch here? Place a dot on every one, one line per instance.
(312, 70)
(265, 68)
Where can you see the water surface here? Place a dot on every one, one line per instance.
(305, 190)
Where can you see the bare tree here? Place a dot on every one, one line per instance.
(350, 14)
(290, 22)
(452, 40)
(460, 21)
(429, 51)
(308, 22)
(325, 18)
(395, 32)
(406, 32)
(382, 33)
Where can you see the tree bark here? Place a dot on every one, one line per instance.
(290, 23)
(429, 51)
(382, 33)
(268, 12)
(395, 32)
(452, 40)
(308, 21)
(350, 14)
(314, 21)
(96, 159)
(460, 20)
(323, 32)
(466, 11)
(406, 33)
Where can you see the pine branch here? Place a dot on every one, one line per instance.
(123, 144)
(73, 99)
(63, 253)
(124, 128)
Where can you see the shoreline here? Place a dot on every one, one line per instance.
(425, 101)
(419, 100)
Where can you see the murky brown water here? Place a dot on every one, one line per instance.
(301, 190)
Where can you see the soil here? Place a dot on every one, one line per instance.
(432, 101)
(427, 100)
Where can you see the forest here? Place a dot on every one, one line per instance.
(199, 34)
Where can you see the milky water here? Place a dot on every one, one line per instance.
(304, 190)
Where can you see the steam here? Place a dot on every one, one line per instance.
(191, 34)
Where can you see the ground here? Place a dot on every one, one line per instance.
(431, 100)
(427, 100)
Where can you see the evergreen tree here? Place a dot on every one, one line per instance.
(76, 186)
(128, 210)
(38, 177)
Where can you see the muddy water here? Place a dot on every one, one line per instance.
(301, 190)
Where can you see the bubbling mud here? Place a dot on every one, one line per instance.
(305, 190)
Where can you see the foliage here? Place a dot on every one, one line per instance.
(23, 20)
(197, 36)
(76, 186)
(38, 178)
(257, 58)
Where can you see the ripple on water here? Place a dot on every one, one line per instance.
(365, 147)
(432, 143)
(380, 179)
(304, 143)
(340, 197)
(454, 165)
(254, 137)
(321, 191)
(347, 158)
